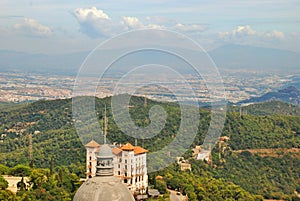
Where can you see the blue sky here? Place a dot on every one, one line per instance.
(60, 26)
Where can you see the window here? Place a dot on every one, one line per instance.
(90, 158)
(119, 173)
(125, 160)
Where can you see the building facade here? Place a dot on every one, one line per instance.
(130, 165)
(104, 186)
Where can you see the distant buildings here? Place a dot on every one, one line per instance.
(203, 155)
(129, 161)
(184, 165)
(19, 87)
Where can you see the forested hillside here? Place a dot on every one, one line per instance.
(272, 177)
(55, 142)
(268, 108)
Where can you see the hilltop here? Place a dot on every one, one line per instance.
(270, 107)
(289, 95)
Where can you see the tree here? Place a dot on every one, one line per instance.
(7, 195)
(38, 178)
(3, 183)
(3, 169)
(161, 186)
(20, 170)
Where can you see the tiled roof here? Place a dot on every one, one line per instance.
(92, 143)
(127, 147)
(116, 151)
(139, 150)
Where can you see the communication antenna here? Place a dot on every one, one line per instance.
(145, 101)
(30, 146)
(105, 125)
(240, 111)
(135, 142)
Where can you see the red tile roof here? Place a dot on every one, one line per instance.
(92, 143)
(137, 149)
(116, 151)
(127, 147)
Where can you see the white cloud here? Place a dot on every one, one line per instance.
(135, 23)
(247, 32)
(84, 14)
(275, 34)
(94, 22)
(132, 23)
(189, 27)
(243, 31)
(31, 27)
(155, 26)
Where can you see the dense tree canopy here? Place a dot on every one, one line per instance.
(59, 156)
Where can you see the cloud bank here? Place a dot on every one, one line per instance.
(247, 32)
(31, 27)
(96, 23)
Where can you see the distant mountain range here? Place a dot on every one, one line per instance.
(255, 58)
(289, 95)
(41, 63)
(225, 57)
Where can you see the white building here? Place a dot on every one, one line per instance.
(13, 182)
(203, 155)
(130, 165)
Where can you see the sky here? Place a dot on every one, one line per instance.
(65, 26)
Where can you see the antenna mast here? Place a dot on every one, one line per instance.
(30, 146)
(145, 101)
(105, 125)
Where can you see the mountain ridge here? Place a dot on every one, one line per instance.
(230, 56)
(288, 94)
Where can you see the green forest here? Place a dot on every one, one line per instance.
(58, 156)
